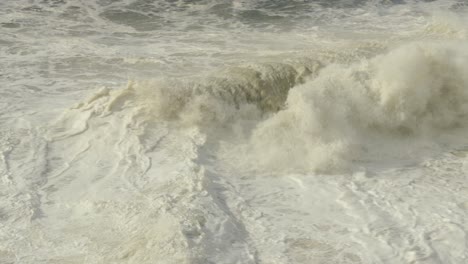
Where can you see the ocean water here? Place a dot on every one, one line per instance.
(234, 131)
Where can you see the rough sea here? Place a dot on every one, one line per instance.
(233, 131)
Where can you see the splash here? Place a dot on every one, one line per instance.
(393, 106)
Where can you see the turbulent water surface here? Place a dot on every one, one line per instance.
(234, 131)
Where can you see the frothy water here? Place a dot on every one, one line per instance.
(233, 131)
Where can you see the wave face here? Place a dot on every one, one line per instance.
(247, 132)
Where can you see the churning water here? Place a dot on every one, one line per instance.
(232, 131)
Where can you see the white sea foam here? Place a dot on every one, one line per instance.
(250, 132)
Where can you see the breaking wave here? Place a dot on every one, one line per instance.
(396, 105)
(306, 116)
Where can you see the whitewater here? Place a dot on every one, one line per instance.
(234, 131)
